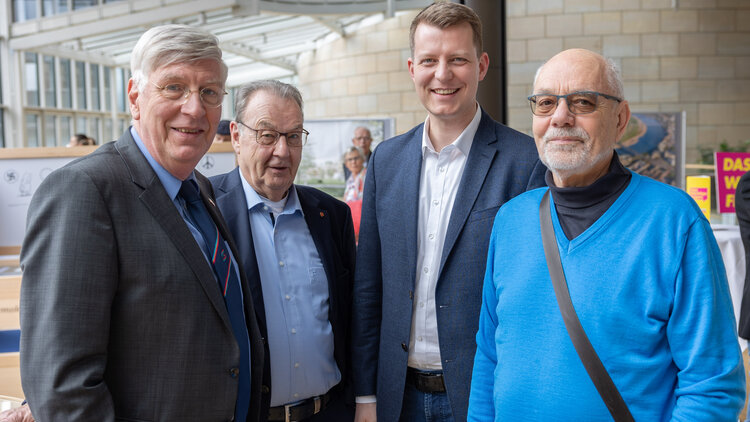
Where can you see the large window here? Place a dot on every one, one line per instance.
(31, 74)
(65, 96)
(53, 7)
(24, 10)
(50, 97)
(66, 93)
(80, 85)
(95, 100)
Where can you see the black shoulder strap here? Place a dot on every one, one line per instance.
(598, 374)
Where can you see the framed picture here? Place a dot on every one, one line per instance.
(322, 157)
(653, 145)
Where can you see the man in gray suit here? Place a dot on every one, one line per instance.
(121, 313)
(429, 200)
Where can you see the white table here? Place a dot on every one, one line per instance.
(733, 254)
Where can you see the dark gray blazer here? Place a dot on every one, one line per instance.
(502, 163)
(121, 316)
(330, 223)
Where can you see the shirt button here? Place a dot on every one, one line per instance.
(419, 338)
(296, 364)
(296, 395)
(431, 236)
(287, 297)
(442, 169)
(425, 270)
(435, 202)
(421, 304)
(281, 263)
(294, 331)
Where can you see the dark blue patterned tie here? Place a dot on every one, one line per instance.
(228, 283)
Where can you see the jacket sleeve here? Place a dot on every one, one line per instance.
(481, 402)
(70, 275)
(367, 293)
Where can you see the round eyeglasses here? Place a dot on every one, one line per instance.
(579, 102)
(269, 137)
(211, 96)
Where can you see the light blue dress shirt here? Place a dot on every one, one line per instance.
(295, 295)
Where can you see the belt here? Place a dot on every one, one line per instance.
(299, 411)
(425, 382)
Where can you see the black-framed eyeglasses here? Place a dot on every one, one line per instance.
(579, 102)
(211, 96)
(269, 137)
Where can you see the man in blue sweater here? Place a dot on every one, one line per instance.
(643, 270)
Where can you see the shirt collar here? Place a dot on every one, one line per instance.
(171, 184)
(464, 140)
(254, 199)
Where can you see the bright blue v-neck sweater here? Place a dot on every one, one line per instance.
(648, 284)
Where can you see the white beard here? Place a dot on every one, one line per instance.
(571, 157)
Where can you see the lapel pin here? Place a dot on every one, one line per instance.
(322, 214)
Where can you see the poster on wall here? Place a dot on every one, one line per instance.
(322, 164)
(730, 166)
(653, 145)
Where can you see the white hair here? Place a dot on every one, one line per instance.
(169, 44)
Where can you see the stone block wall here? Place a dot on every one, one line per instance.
(691, 55)
(363, 75)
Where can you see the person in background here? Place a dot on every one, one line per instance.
(354, 160)
(297, 245)
(362, 139)
(429, 199)
(643, 271)
(137, 309)
(77, 140)
(222, 132)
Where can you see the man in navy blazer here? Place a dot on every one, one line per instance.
(296, 245)
(429, 201)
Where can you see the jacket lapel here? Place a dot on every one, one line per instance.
(477, 165)
(156, 200)
(230, 197)
(408, 199)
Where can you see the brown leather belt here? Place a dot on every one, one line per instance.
(425, 382)
(299, 411)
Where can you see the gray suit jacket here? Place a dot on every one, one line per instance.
(121, 315)
(502, 163)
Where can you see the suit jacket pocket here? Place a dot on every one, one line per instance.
(485, 213)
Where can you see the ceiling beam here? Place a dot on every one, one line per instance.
(142, 18)
(332, 25)
(253, 54)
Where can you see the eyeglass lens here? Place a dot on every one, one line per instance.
(578, 103)
(270, 137)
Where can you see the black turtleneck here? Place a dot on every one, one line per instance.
(579, 207)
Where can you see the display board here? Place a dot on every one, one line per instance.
(654, 145)
(322, 158)
(23, 169)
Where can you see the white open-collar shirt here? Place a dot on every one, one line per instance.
(439, 180)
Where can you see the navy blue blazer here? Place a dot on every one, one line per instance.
(502, 163)
(330, 223)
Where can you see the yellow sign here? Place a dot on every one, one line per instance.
(699, 188)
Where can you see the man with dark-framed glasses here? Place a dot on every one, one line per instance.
(133, 304)
(642, 268)
(296, 244)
